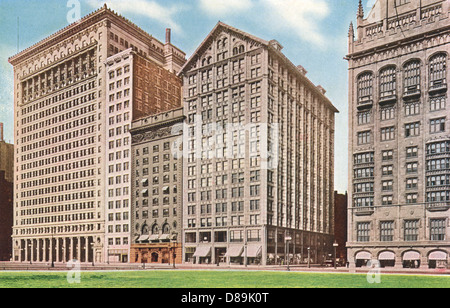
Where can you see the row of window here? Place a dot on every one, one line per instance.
(411, 228)
(410, 109)
(435, 148)
(60, 230)
(411, 130)
(58, 218)
(432, 197)
(70, 71)
(223, 236)
(223, 221)
(155, 213)
(437, 69)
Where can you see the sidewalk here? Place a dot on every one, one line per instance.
(15, 266)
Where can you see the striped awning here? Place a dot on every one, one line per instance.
(234, 251)
(411, 256)
(386, 255)
(154, 237)
(143, 238)
(438, 256)
(202, 251)
(363, 255)
(253, 251)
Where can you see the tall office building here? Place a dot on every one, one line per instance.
(399, 135)
(63, 110)
(258, 155)
(157, 187)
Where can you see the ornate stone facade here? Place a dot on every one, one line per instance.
(258, 155)
(157, 181)
(399, 148)
(61, 111)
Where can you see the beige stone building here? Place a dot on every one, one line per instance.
(62, 112)
(258, 152)
(399, 128)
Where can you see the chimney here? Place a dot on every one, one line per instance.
(1, 132)
(168, 33)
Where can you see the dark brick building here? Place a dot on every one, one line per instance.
(6, 217)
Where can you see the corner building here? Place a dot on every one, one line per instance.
(63, 150)
(258, 151)
(399, 135)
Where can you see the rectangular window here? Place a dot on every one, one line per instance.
(412, 129)
(387, 200)
(388, 155)
(411, 230)
(412, 108)
(387, 231)
(387, 185)
(363, 232)
(387, 113)
(364, 117)
(437, 103)
(387, 133)
(411, 198)
(364, 137)
(437, 125)
(437, 229)
(411, 152)
(412, 167)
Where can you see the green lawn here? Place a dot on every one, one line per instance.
(215, 279)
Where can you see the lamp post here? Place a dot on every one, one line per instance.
(51, 247)
(287, 240)
(335, 245)
(309, 257)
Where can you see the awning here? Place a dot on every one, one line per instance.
(203, 251)
(164, 237)
(386, 255)
(154, 237)
(253, 251)
(234, 251)
(363, 255)
(411, 256)
(143, 238)
(438, 256)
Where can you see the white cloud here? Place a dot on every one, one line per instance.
(370, 3)
(223, 7)
(302, 17)
(151, 9)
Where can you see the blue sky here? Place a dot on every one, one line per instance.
(313, 33)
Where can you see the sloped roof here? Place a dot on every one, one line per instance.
(220, 26)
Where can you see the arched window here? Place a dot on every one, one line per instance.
(411, 71)
(438, 69)
(166, 229)
(155, 229)
(144, 229)
(365, 88)
(388, 82)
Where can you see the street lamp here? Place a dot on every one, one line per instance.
(287, 240)
(309, 257)
(335, 245)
